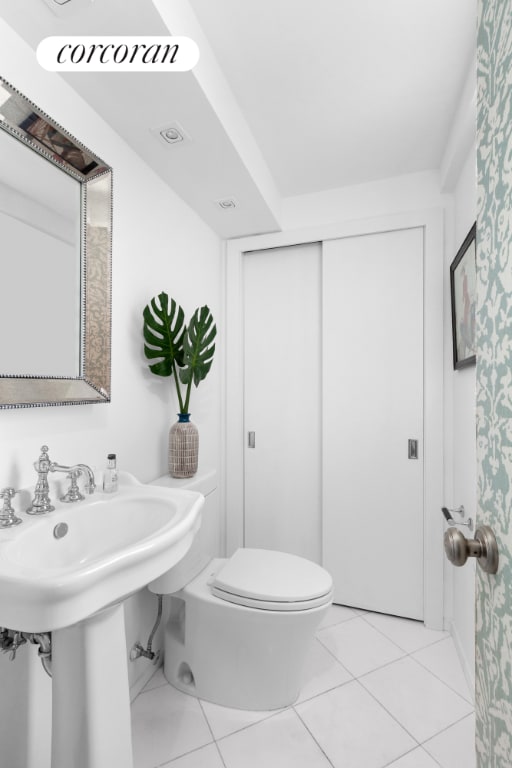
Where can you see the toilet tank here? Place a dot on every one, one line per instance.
(206, 541)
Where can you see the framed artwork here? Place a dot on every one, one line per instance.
(463, 293)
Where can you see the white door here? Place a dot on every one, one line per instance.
(372, 405)
(282, 408)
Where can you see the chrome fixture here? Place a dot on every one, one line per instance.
(12, 639)
(41, 503)
(138, 649)
(459, 511)
(60, 530)
(74, 472)
(484, 547)
(7, 515)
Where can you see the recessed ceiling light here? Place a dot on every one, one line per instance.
(227, 203)
(172, 133)
(67, 7)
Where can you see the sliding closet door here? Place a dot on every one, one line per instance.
(282, 391)
(372, 407)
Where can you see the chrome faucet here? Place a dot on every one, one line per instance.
(41, 503)
(74, 472)
(7, 514)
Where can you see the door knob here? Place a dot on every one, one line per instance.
(484, 547)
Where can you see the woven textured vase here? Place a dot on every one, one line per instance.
(183, 447)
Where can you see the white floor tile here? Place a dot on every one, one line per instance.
(353, 729)
(224, 720)
(399, 703)
(455, 746)
(206, 757)
(337, 613)
(281, 741)
(165, 724)
(322, 673)
(406, 633)
(359, 646)
(418, 758)
(442, 659)
(156, 681)
(418, 700)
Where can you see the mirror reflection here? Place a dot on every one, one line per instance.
(55, 235)
(40, 237)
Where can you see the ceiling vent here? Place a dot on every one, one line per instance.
(170, 134)
(67, 7)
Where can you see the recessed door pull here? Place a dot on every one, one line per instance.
(412, 448)
(459, 511)
(484, 547)
(251, 439)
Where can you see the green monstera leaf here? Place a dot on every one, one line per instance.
(164, 331)
(186, 352)
(198, 347)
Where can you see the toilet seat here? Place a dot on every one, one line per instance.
(272, 581)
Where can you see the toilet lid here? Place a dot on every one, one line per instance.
(272, 580)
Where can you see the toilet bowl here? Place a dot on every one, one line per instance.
(240, 628)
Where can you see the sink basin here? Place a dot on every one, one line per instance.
(115, 544)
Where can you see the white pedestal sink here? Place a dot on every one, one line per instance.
(74, 586)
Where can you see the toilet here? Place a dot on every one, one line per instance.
(240, 628)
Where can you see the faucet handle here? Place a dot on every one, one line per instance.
(73, 492)
(7, 515)
(43, 463)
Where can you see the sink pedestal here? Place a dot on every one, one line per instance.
(91, 725)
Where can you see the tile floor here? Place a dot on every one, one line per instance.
(383, 692)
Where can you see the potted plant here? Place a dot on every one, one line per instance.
(186, 353)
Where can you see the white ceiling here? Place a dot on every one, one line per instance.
(308, 97)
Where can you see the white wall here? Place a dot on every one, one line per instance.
(411, 192)
(460, 389)
(158, 244)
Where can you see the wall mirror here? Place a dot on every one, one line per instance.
(55, 236)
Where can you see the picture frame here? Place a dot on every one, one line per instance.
(463, 298)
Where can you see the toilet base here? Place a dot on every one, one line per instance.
(235, 656)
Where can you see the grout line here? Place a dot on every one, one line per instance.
(402, 726)
(185, 754)
(383, 633)
(212, 733)
(395, 760)
(447, 728)
(324, 753)
(333, 656)
(220, 754)
(337, 623)
(442, 680)
(206, 718)
(268, 716)
(321, 693)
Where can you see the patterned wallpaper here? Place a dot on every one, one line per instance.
(494, 381)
